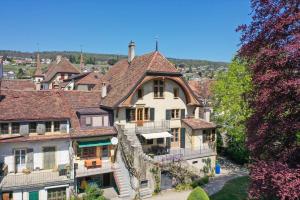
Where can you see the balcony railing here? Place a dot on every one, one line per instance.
(149, 127)
(82, 170)
(174, 155)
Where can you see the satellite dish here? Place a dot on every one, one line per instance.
(114, 140)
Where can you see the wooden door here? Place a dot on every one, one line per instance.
(34, 195)
(140, 117)
(49, 157)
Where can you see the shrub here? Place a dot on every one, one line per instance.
(183, 187)
(198, 194)
(200, 182)
(92, 192)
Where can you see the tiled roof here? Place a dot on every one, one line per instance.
(203, 88)
(64, 66)
(92, 78)
(32, 105)
(79, 100)
(122, 77)
(17, 84)
(24, 138)
(198, 123)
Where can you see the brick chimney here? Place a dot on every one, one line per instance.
(131, 51)
(104, 90)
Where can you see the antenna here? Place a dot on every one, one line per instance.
(156, 43)
(38, 46)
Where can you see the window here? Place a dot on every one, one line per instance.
(209, 136)
(160, 140)
(4, 128)
(158, 89)
(32, 127)
(88, 121)
(140, 93)
(132, 114)
(176, 92)
(105, 152)
(20, 155)
(56, 126)
(175, 134)
(88, 152)
(146, 113)
(150, 141)
(97, 121)
(48, 126)
(56, 194)
(15, 128)
(175, 114)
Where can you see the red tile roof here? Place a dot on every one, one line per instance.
(64, 66)
(203, 88)
(123, 76)
(198, 123)
(17, 84)
(32, 105)
(92, 78)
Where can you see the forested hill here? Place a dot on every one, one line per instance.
(96, 57)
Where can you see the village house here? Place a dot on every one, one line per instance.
(110, 130)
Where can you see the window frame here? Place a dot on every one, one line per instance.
(175, 114)
(88, 152)
(15, 128)
(47, 128)
(31, 129)
(6, 129)
(158, 88)
(55, 128)
(175, 133)
(140, 93)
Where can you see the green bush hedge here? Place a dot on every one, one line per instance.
(198, 194)
(200, 182)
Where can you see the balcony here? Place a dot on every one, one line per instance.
(149, 127)
(171, 155)
(90, 167)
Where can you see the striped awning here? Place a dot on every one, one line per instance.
(94, 143)
(149, 136)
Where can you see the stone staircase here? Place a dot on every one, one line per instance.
(122, 178)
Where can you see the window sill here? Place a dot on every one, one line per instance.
(159, 97)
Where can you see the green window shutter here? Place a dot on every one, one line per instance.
(34, 195)
(182, 113)
(152, 114)
(168, 114)
(127, 115)
(182, 138)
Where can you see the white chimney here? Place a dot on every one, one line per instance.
(206, 114)
(58, 59)
(103, 90)
(131, 51)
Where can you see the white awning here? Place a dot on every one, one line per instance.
(149, 136)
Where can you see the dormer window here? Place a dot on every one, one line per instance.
(88, 121)
(158, 88)
(96, 121)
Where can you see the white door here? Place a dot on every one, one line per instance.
(20, 159)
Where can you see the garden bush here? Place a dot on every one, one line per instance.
(198, 194)
(200, 182)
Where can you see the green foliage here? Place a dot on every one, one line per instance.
(198, 194)
(155, 171)
(200, 182)
(183, 187)
(207, 168)
(235, 189)
(20, 73)
(231, 108)
(93, 193)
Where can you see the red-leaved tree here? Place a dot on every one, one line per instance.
(271, 45)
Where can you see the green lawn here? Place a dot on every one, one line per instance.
(235, 189)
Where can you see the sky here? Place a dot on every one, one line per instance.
(193, 29)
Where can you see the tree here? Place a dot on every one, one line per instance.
(20, 73)
(112, 61)
(92, 192)
(231, 107)
(271, 45)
